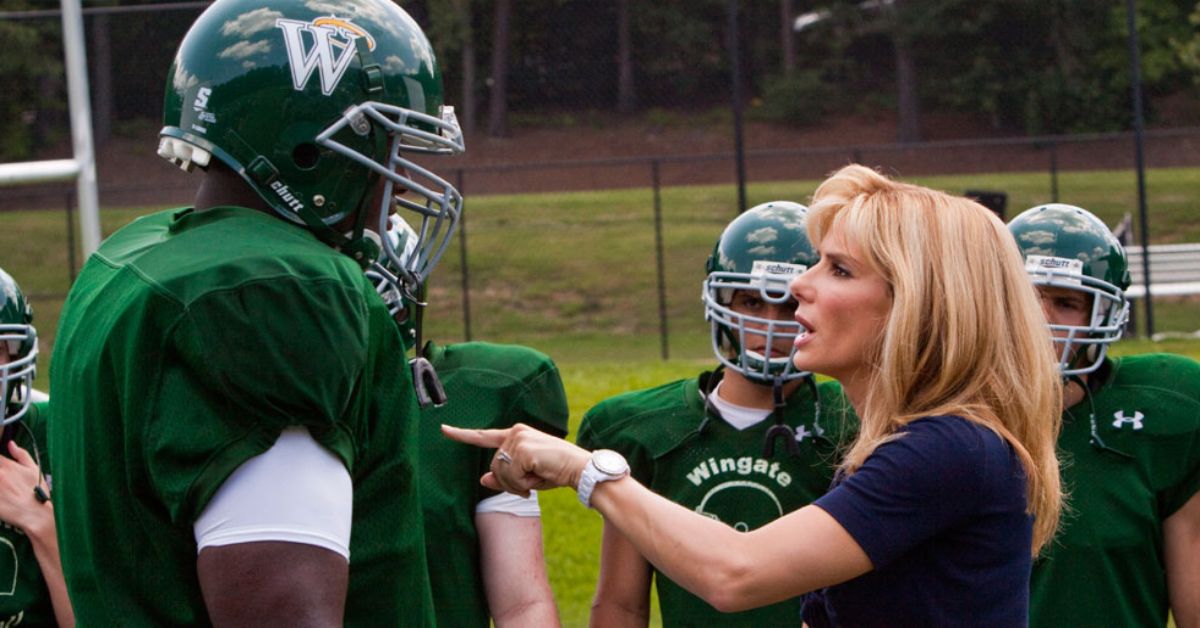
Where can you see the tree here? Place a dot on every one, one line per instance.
(1188, 49)
(787, 38)
(468, 68)
(451, 30)
(626, 99)
(101, 79)
(31, 70)
(908, 103)
(498, 82)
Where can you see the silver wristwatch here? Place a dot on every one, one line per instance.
(605, 465)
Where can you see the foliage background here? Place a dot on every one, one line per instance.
(1027, 66)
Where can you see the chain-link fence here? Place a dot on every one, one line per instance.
(523, 267)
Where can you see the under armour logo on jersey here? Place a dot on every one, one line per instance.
(330, 53)
(802, 433)
(1121, 419)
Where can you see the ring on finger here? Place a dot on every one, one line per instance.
(503, 456)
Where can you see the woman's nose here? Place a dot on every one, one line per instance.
(799, 287)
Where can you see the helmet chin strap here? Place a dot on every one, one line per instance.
(425, 378)
(780, 429)
(1095, 440)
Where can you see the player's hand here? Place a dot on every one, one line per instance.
(18, 477)
(539, 461)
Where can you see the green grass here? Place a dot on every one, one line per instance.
(574, 275)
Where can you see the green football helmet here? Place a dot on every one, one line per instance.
(20, 341)
(761, 250)
(312, 103)
(1068, 247)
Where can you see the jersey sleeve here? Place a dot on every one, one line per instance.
(247, 363)
(1184, 398)
(604, 427)
(284, 352)
(586, 437)
(1164, 390)
(912, 488)
(542, 402)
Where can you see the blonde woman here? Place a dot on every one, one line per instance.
(921, 308)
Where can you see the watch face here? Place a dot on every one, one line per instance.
(609, 462)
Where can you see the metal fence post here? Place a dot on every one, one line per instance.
(462, 256)
(658, 249)
(1135, 71)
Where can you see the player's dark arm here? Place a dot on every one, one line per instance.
(273, 583)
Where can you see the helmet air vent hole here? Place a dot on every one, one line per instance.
(305, 156)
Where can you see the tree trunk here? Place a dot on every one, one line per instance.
(469, 113)
(626, 99)
(102, 85)
(787, 38)
(908, 103)
(906, 84)
(498, 102)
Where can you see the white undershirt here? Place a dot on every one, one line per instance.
(740, 417)
(511, 504)
(297, 492)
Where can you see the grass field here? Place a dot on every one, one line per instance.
(574, 275)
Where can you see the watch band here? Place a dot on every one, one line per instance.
(605, 465)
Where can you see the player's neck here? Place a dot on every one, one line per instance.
(1073, 393)
(738, 390)
(222, 187)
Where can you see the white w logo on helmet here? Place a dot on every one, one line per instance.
(331, 52)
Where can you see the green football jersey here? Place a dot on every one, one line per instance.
(487, 386)
(695, 459)
(189, 341)
(1106, 566)
(24, 597)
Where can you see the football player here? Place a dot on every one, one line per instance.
(745, 444)
(1128, 545)
(36, 594)
(484, 548)
(233, 446)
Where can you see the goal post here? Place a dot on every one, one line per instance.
(82, 166)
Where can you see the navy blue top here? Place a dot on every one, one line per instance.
(941, 514)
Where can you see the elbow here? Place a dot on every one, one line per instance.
(729, 587)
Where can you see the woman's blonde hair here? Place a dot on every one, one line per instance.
(966, 334)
